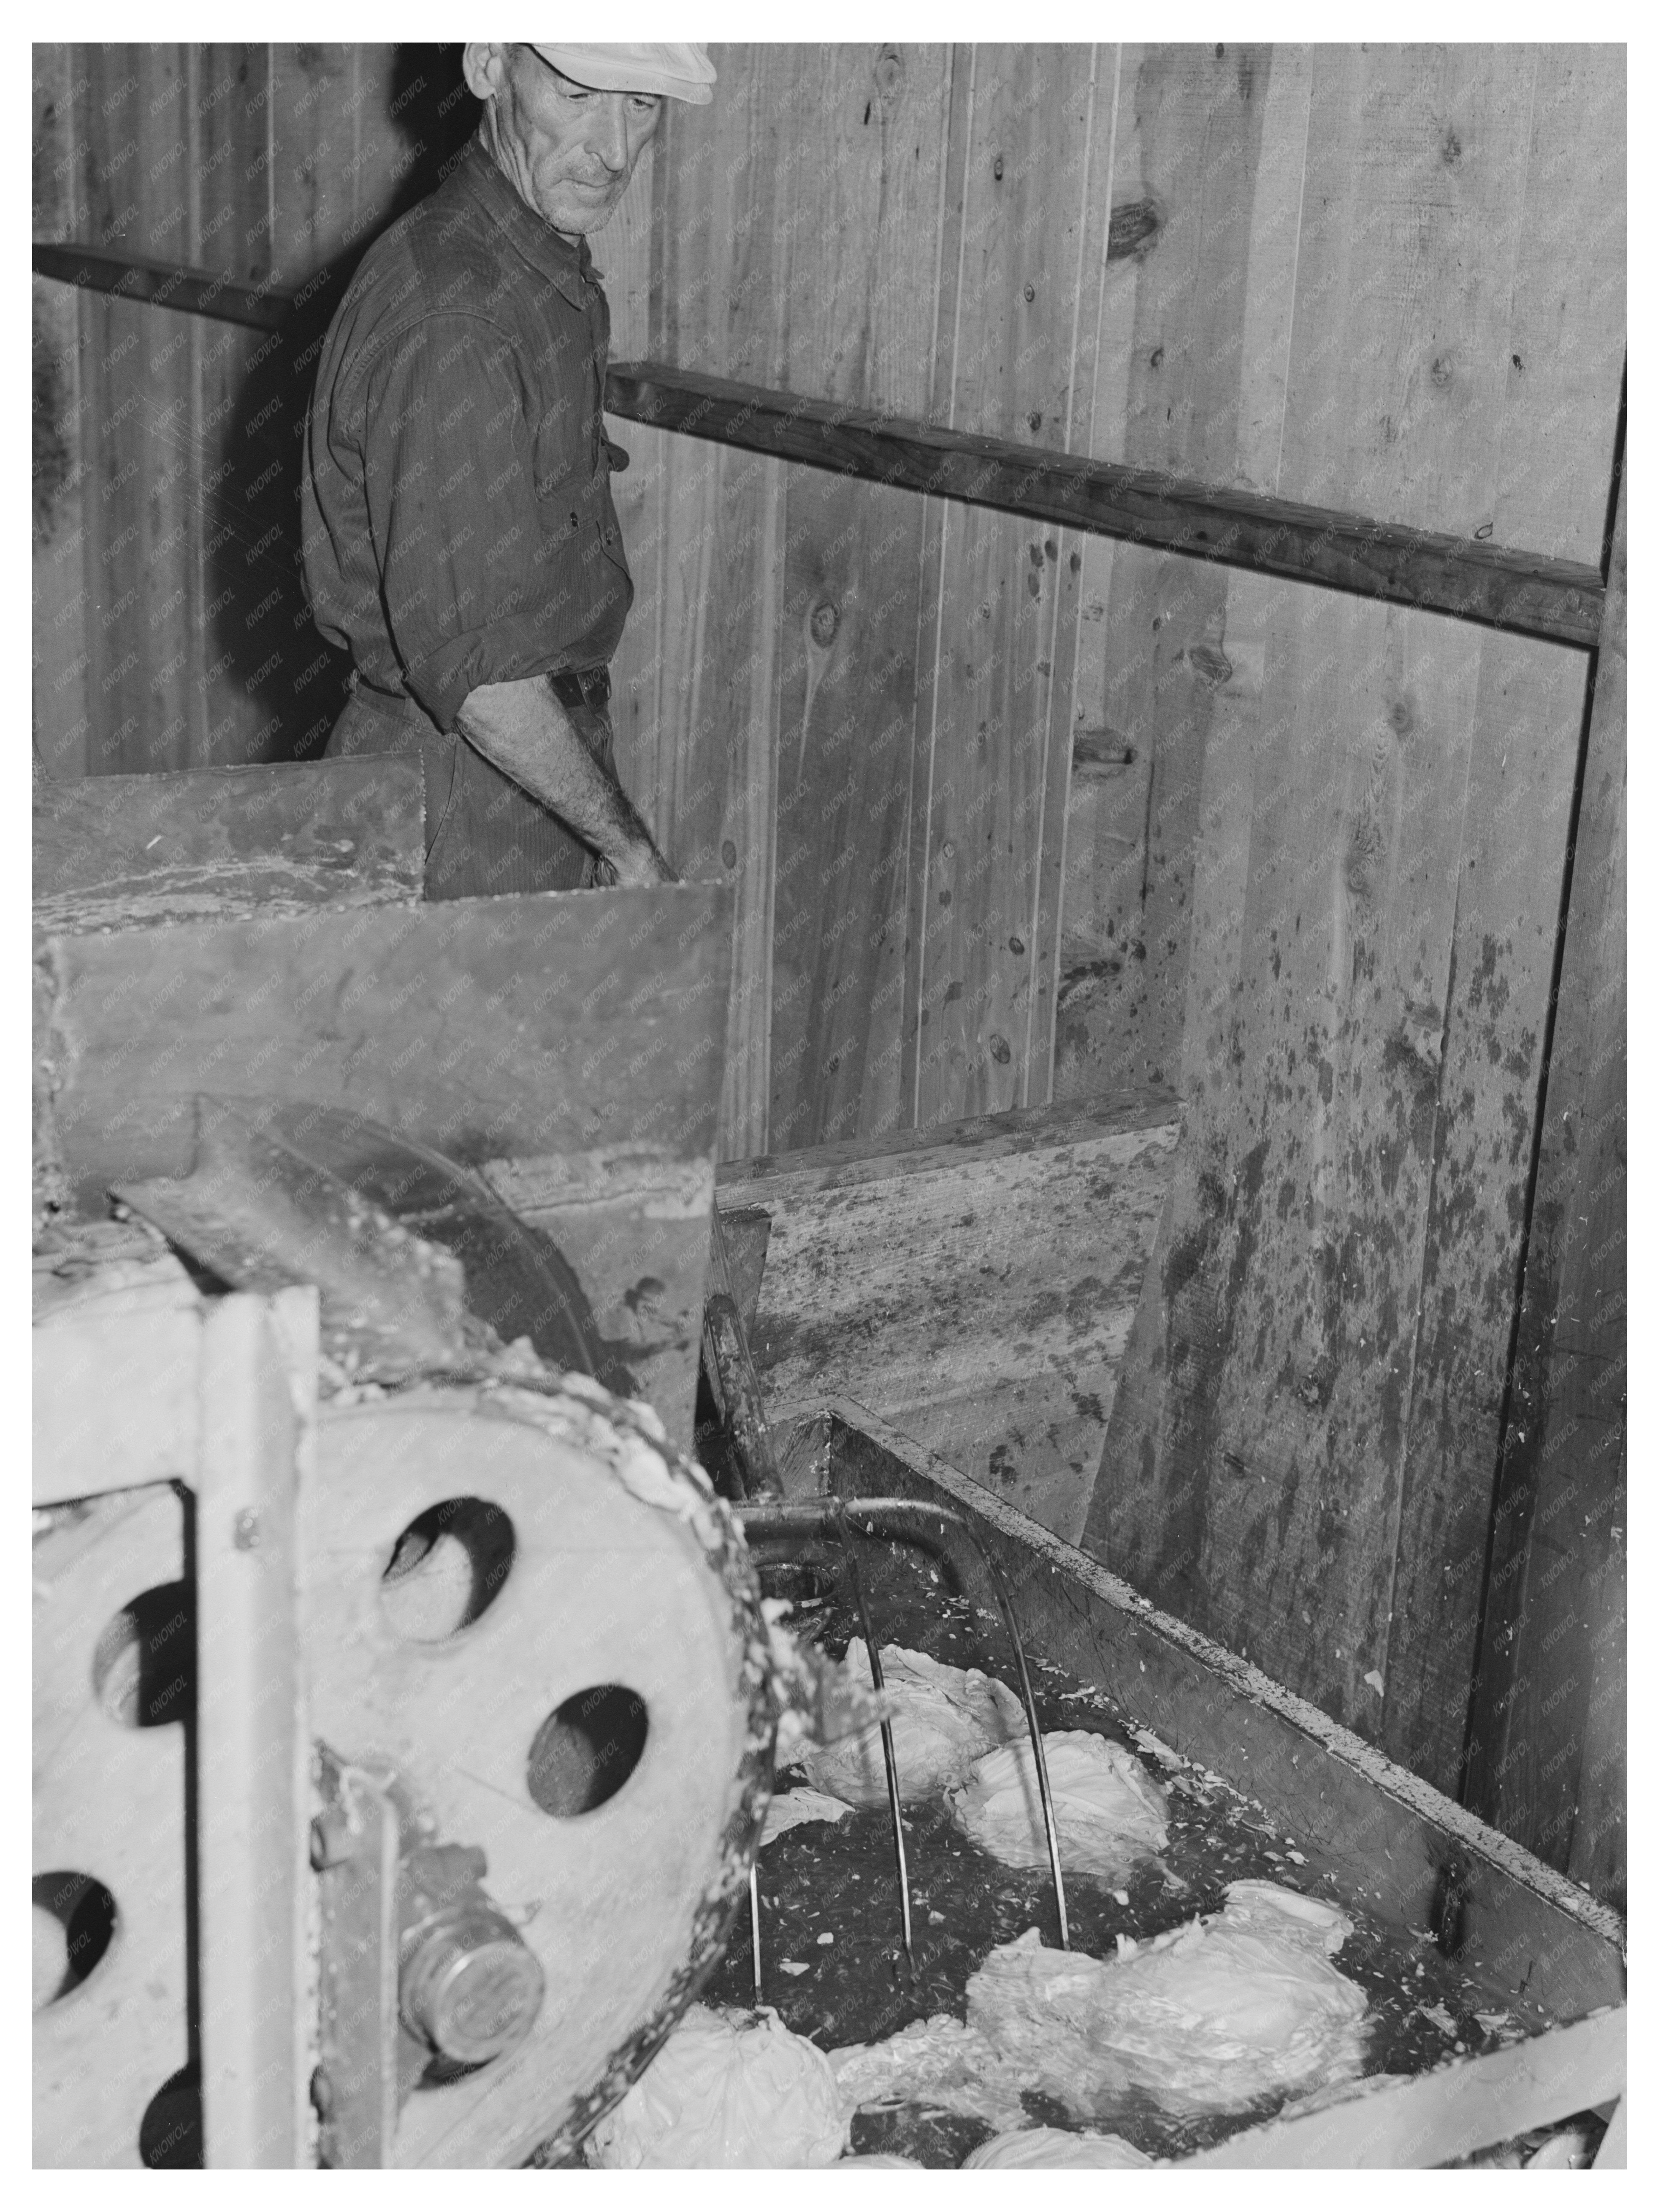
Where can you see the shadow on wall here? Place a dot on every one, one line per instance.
(262, 635)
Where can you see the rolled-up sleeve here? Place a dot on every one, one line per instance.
(481, 573)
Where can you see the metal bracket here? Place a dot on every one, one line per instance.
(356, 1845)
(418, 1966)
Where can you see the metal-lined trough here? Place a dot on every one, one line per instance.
(1452, 1920)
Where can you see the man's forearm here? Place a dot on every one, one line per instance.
(526, 731)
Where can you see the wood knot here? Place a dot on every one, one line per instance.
(1001, 1050)
(1440, 370)
(1451, 150)
(1401, 718)
(1132, 229)
(890, 72)
(996, 169)
(1212, 665)
(1093, 751)
(824, 622)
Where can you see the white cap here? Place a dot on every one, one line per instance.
(676, 72)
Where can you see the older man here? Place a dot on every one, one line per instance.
(459, 534)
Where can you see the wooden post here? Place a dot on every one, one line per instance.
(1547, 1754)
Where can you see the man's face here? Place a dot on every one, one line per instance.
(569, 151)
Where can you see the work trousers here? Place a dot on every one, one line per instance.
(486, 834)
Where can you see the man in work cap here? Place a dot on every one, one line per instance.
(459, 533)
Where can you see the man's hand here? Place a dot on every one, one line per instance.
(524, 730)
(638, 867)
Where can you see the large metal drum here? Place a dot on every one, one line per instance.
(523, 1604)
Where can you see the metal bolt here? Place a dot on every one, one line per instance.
(245, 1531)
(471, 1988)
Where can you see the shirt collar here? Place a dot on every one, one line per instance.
(569, 268)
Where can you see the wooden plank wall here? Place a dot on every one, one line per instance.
(1010, 814)
(1363, 829)
(170, 625)
(851, 703)
(855, 702)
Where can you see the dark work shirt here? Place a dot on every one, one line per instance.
(458, 520)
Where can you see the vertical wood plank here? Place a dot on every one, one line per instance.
(1262, 1472)
(1554, 433)
(243, 452)
(709, 779)
(1412, 220)
(938, 521)
(1037, 133)
(1221, 858)
(143, 522)
(1209, 147)
(1527, 710)
(60, 716)
(314, 190)
(1076, 638)
(1567, 323)
(312, 200)
(860, 219)
(405, 120)
(1547, 1755)
(623, 256)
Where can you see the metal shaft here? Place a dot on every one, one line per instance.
(753, 1930)
(889, 1757)
(1050, 1829)
(893, 1516)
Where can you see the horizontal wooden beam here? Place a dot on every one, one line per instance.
(948, 1144)
(1506, 589)
(1498, 586)
(161, 285)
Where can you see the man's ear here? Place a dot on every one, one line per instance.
(484, 69)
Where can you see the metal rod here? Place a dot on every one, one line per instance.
(999, 1583)
(754, 1928)
(809, 1517)
(889, 1757)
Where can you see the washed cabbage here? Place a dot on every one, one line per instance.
(728, 2088)
(942, 1718)
(1108, 1812)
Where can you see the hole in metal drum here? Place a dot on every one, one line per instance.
(143, 1670)
(170, 2133)
(74, 1919)
(448, 1568)
(586, 1748)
